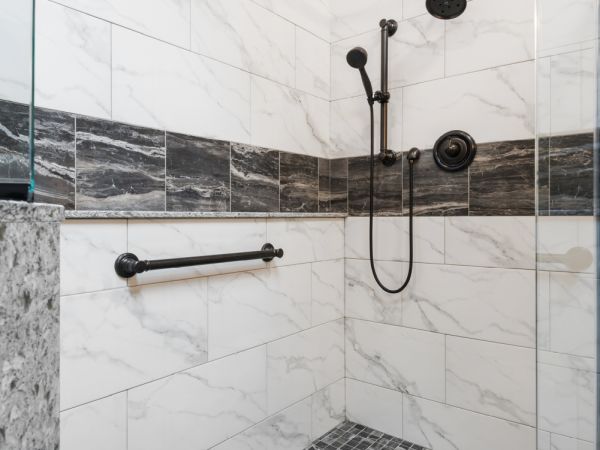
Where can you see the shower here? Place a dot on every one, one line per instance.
(454, 151)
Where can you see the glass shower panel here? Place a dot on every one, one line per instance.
(567, 87)
(16, 99)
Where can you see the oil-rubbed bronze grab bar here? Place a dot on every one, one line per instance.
(128, 265)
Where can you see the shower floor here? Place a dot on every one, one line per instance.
(352, 436)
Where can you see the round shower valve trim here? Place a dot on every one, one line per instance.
(454, 151)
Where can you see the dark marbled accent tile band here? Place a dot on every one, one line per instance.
(502, 179)
(339, 185)
(254, 179)
(436, 192)
(197, 174)
(544, 176)
(14, 141)
(119, 167)
(387, 187)
(299, 183)
(350, 435)
(55, 158)
(324, 185)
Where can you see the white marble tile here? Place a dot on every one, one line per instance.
(406, 360)
(566, 401)
(353, 17)
(374, 406)
(494, 105)
(573, 78)
(491, 241)
(163, 239)
(494, 379)
(490, 304)
(566, 244)
(99, 425)
(241, 33)
(16, 21)
(327, 287)
(79, 239)
(328, 408)
(490, 34)
(543, 310)
(306, 240)
(313, 64)
(165, 20)
(114, 340)
(565, 22)
(200, 407)
(444, 427)
(251, 308)
(365, 299)
(544, 96)
(73, 61)
(391, 239)
(287, 430)
(175, 87)
(543, 440)
(301, 364)
(558, 442)
(413, 8)
(581, 363)
(416, 51)
(346, 81)
(312, 15)
(573, 314)
(288, 119)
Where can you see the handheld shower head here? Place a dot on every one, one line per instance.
(357, 58)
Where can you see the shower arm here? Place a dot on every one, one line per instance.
(388, 29)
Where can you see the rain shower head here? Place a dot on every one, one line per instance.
(357, 58)
(446, 9)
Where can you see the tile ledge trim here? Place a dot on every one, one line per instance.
(194, 215)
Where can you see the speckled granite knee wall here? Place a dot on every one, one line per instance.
(29, 326)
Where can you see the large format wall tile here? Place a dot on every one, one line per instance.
(288, 119)
(306, 240)
(299, 183)
(490, 304)
(492, 105)
(200, 407)
(502, 179)
(73, 52)
(164, 239)
(328, 408)
(197, 171)
(177, 90)
(409, 361)
(14, 141)
(167, 21)
(312, 15)
(507, 242)
(490, 34)
(119, 168)
(15, 46)
(350, 127)
(117, 339)
(251, 308)
(104, 241)
(374, 406)
(290, 429)
(444, 427)
(243, 34)
(313, 61)
(494, 379)
(327, 288)
(99, 425)
(55, 158)
(353, 17)
(563, 23)
(391, 238)
(254, 179)
(300, 365)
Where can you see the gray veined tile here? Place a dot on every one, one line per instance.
(55, 157)
(324, 185)
(543, 176)
(299, 183)
(502, 179)
(339, 185)
(387, 189)
(571, 181)
(197, 174)
(14, 141)
(254, 179)
(119, 167)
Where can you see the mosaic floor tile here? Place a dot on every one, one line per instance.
(352, 436)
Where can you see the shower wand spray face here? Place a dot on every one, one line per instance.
(446, 9)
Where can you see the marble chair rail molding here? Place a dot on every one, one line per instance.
(98, 168)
